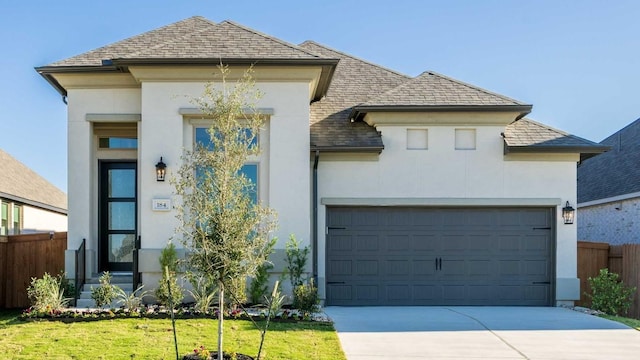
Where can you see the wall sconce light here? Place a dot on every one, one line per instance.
(568, 214)
(161, 170)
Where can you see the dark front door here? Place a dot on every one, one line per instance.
(117, 216)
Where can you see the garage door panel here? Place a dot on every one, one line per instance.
(425, 242)
(367, 242)
(340, 243)
(428, 256)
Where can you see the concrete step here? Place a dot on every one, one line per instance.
(121, 280)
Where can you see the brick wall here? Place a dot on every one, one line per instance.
(615, 223)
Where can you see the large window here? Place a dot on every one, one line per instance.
(250, 170)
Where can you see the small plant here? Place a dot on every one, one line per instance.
(169, 259)
(47, 294)
(276, 301)
(204, 294)
(305, 297)
(104, 294)
(609, 294)
(258, 287)
(296, 258)
(259, 284)
(131, 301)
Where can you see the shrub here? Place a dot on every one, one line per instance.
(169, 259)
(258, 287)
(47, 293)
(609, 294)
(296, 258)
(305, 297)
(104, 294)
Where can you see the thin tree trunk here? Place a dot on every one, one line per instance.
(220, 318)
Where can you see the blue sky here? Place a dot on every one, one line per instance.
(577, 62)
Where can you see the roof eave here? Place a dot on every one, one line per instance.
(586, 151)
(348, 149)
(47, 73)
(358, 112)
(120, 65)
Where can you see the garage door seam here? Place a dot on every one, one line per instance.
(491, 331)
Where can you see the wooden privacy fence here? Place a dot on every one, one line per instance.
(621, 259)
(25, 256)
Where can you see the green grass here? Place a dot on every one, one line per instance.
(634, 323)
(153, 339)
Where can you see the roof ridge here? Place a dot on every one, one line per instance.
(135, 37)
(471, 86)
(620, 130)
(174, 39)
(355, 58)
(282, 42)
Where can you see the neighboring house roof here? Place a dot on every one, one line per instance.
(354, 82)
(526, 135)
(432, 91)
(19, 183)
(613, 173)
(195, 40)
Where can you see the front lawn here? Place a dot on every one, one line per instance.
(634, 323)
(153, 339)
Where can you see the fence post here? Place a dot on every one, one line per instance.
(631, 274)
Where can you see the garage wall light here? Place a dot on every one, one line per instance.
(568, 214)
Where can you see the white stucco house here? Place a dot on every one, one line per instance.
(28, 202)
(410, 190)
(609, 190)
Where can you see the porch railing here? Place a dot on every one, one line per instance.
(80, 266)
(136, 272)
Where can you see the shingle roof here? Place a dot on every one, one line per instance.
(526, 135)
(432, 89)
(354, 81)
(355, 86)
(616, 172)
(193, 38)
(18, 181)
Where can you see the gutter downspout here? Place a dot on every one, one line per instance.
(314, 233)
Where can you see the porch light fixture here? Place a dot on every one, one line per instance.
(567, 213)
(161, 170)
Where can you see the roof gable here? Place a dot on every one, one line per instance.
(23, 184)
(615, 172)
(432, 89)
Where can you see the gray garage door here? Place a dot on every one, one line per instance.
(439, 256)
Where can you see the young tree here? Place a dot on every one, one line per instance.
(225, 230)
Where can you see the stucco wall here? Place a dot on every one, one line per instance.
(163, 131)
(443, 172)
(39, 220)
(83, 163)
(615, 223)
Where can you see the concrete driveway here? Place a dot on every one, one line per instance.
(480, 333)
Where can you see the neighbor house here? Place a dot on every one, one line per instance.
(29, 203)
(409, 190)
(609, 191)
